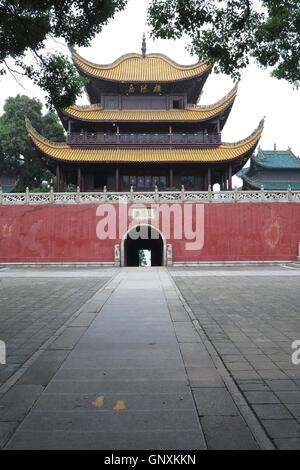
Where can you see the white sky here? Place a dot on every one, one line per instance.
(259, 94)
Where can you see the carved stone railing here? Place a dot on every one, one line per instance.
(156, 196)
(101, 139)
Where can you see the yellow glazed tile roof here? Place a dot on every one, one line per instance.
(136, 68)
(66, 153)
(201, 113)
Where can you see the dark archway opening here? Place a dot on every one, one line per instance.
(150, 240)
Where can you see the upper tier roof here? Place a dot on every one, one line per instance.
(222, 153)
(137, 68)
(201, 113)
(281, 159)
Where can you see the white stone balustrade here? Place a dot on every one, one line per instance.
(236, 196)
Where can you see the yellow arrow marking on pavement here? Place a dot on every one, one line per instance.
(98, 403)
(120, 406)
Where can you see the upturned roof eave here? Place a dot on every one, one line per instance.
(99, 72)
(221, 154)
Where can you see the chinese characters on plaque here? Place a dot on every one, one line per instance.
(143, 89)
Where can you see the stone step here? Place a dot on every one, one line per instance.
(295, 264)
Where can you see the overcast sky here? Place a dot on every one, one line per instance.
(259, 94)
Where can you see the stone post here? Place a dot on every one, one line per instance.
(182, 193)
(51, 196)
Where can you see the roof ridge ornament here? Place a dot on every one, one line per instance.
(144, 46)
(72, 49)
(262, 123)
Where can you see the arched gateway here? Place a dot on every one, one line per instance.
(143, 237)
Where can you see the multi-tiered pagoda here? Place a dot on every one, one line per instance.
(144, 128)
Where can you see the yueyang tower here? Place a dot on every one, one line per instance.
(143, 128)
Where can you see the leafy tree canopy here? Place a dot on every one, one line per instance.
(228, 33)
(18, 156)
(25, 25)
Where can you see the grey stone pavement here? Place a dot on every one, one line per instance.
(251, 318)
(35, 308)
(124, 359)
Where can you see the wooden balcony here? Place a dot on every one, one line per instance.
(142, 140)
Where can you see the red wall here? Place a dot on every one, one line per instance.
(67, 233)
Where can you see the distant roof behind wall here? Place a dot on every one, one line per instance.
(256, 183)
(272, 170)
(277, 159)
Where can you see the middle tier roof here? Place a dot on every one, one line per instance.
(96, 113)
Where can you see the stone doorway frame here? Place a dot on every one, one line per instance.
(151, 227)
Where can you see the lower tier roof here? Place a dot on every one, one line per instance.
(221, 154)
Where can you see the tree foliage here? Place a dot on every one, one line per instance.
(18, 156)
(25, 25)
(228, 33)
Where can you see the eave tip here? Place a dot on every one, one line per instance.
(72, 49)
(28, 123)
(262, 123)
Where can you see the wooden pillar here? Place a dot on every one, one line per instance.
(117, 185)
(82, 182)
(203, 182)
(222, 182)
(69, 126)
(170, 134)
(225, 180)
(230, 178)
(209, 181)
(62, 183)
(171, 178)
(57, 182)
(79, 181)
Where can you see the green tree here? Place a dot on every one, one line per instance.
(25, 25)
(18, 156)
(229, 33)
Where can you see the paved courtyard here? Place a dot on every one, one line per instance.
(251, 317)
(34, 305)
(150, 358)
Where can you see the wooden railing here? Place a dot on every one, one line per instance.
(101, 139)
